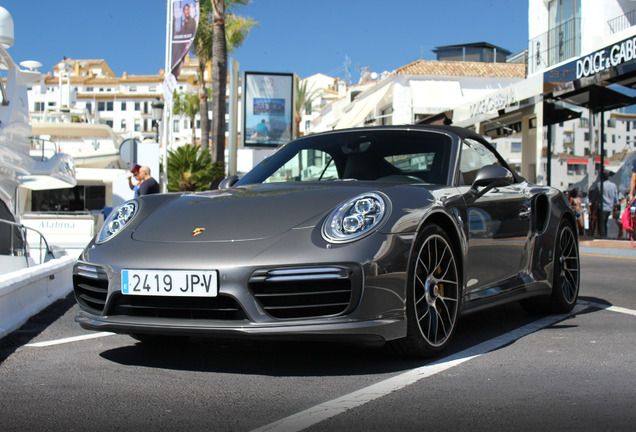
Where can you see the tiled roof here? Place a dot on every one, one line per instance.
(460, 68)
(128, 79)
(87, 62)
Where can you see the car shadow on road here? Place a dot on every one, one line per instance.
(293, 358)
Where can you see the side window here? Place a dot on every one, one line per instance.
(474, 156)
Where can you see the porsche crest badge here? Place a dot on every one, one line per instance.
(197, 231)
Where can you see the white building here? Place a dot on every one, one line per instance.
(88, 90)
(581, 63)
(416, 91)
(327, 89)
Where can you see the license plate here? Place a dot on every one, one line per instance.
(173, 283)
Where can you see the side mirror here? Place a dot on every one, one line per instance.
(493, 176)
(228, 182)
(489, 177)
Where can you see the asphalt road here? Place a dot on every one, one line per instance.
(506, 370)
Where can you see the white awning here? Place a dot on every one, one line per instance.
(430, 97)
(364, 105)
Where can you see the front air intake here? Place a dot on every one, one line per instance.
(293, 293)
(90, 284)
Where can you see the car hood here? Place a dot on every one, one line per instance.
(245, 213)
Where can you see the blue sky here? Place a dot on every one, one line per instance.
(301, 36)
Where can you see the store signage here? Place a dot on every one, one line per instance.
(494, 102)
(601, 60)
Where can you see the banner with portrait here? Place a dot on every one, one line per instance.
(267, 108)
(185, 20)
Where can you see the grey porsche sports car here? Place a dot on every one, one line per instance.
(369, 235)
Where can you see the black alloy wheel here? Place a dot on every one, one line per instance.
(566, 277)
(433, 296)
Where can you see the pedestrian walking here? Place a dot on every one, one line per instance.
(609, 202)
(632, 183)
(148, 184)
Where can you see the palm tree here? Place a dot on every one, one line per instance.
(187, 104)
(304, 99)
(236, 29)
(219, 67)
(203, 50)
(219, 79)
(191, 170)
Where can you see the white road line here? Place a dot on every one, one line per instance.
(324, 411)
(621, 310)
(102, 334)
(610, 308)
(69, 339)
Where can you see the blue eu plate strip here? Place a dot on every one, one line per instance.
(124, 281)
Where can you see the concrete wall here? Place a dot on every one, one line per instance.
(25, 292)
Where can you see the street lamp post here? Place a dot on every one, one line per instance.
(157, 114)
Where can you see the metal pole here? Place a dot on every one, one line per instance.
(233, 132)
(548, 173)
(167, 106)
(600, 174)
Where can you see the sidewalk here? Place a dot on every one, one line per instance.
(613, 247)
(606, 243)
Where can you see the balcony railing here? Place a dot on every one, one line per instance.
(622, 22)
(555, 46)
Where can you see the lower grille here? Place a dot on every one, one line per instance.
(303, 292)
(90, 284)
(195, 308)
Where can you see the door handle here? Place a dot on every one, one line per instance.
(524, 213)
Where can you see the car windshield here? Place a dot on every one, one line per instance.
(366, 155)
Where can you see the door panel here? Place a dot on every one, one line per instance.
(498, 232)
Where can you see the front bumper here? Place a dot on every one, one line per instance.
(374, 331)
(269, 295)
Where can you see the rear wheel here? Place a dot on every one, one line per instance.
(565, 279)
(433, 295)
(565, 276)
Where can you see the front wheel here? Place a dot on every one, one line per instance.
(433, 295)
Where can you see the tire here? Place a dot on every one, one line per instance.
(433, 295)
(565, 276)
(566, 272)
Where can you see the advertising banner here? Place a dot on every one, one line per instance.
(185, 20)
(267, 108)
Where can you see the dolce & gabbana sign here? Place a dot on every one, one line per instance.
(611, 56)
(494, 102)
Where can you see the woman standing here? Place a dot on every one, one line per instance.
(575, 204)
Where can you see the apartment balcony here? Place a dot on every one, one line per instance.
(622, 22)
(557, 45)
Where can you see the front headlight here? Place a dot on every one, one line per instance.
(356, 218)
(116, 221)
